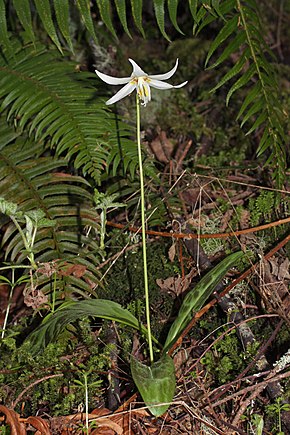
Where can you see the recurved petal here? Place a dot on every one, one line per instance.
(126, 90)
(137, 71)
(167, 75)
(112, 80)
(158, 84)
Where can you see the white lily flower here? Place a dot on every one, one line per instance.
(140, 81)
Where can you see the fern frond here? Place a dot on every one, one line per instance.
(136, 6)
(45, 95)
(105, 12)
(45, 13)
(122, 13)
(61, 8)
(241, 34)
(33, 181)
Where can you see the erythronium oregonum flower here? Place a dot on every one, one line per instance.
(140, 81)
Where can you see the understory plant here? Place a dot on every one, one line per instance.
(156, 381)
(58, 143)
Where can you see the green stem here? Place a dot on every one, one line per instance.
(9, 303)
(30, 254)
(147, 305)
(86, 401)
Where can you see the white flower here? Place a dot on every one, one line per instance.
(140, 81)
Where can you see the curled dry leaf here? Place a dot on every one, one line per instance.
(34, 298)
(162, 147)
(40, 424)
(176, 285)
(12, 419)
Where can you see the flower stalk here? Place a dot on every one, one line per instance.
(143, 222)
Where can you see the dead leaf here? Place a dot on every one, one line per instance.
(76, 270)
(176, 285)
(40, 424)
(284, 269)
(12, 419)
(34, 298)
(162, 147)
(172, 252)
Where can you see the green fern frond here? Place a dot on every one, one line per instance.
(62, 14)
(44, 10)
(122, 13)
(241, 34)
(172, 9)
(45, 95)
(85, 10)
(105, 12)
(23, 11)
(33, 181)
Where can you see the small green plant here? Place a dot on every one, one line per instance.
(84, 384)
(274, 411)
(261, 207)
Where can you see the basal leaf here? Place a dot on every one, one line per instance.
(156, 383)
(195, 299)
(69, 312)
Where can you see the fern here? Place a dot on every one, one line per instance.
(34, 181)
(241, 33)
(261, 109)
(47, 97)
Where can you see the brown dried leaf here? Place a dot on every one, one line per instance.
(172, 252)
(162, 147)
(40, 424)
(284, 269)
(77, 270)
(176, 285)
(12, 419)
(34, 298)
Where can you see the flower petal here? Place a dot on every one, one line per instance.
(126, 90)
(137, 71)
(112, 80)
(167, 75)
(158, 84)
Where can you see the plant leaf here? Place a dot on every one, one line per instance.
(22, 8)
(61, 8)
(160, 16)
(121, 9)
(4, 37)
(69, 312)
(136, 6)
(84, 8)
(44, 10)
(156, 383)
(105, 12)
(172, 9)
(195, 299)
